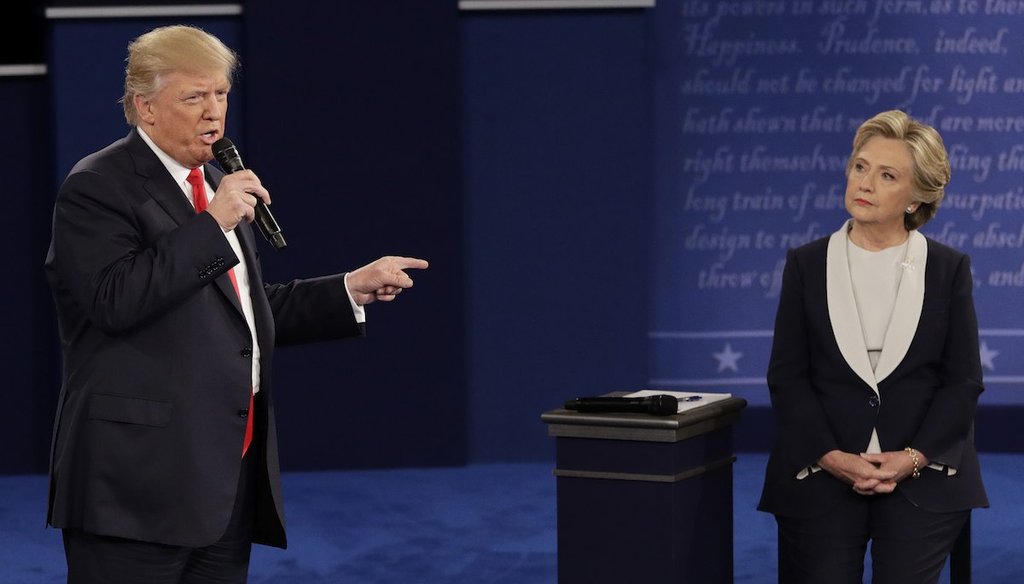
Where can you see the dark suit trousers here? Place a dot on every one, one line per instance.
(908, 545)
(97, 559)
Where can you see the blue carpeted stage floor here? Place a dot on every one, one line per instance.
(477, 524)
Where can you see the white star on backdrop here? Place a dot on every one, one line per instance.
(727, 359)
(988, 356)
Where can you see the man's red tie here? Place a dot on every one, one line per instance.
(195, 178)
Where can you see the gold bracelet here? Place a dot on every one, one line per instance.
(914, 458)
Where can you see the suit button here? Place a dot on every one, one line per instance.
(873, 401)
(243, 413)
(247, 352)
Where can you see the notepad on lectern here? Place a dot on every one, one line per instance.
(688, 400)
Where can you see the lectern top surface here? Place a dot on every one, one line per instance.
(563, 422)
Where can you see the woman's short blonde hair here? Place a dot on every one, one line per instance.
(169, 49)
(931, 162)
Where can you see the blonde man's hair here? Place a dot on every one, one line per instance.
(169, 49)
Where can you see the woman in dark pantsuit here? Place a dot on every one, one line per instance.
(874, 377)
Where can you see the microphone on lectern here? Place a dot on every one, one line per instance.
(658, 405)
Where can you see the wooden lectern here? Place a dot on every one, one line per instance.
(645, 499)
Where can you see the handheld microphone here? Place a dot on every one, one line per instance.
(658, 405)
(229, 159)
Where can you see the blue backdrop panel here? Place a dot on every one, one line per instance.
(353, 125)
(756, 104)
(28, 355)
(557, 180)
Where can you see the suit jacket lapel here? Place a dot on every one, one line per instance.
(159, 183)
(223, 282)
(842, 309)
(260, 308)
(907, 311)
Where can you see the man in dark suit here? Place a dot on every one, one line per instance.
(164, 464)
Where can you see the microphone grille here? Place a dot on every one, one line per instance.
(665, 405)
(220, 146)
(227, 156)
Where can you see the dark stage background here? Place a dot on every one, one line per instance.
(575, 177)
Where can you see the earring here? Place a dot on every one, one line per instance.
(910, 209)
